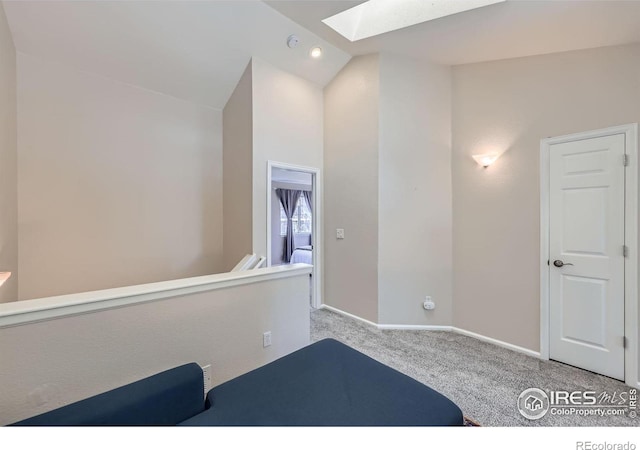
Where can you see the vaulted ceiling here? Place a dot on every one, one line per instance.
(511, 29)
(197, 50)
(193, 50)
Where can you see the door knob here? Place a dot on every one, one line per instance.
(559, 263)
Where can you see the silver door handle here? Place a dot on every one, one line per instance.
(559, 263)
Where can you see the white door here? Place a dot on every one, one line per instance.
(586, 237)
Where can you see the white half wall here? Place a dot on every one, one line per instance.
(55, 362)
(117, 185)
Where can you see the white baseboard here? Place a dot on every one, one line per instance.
(449, 328)
(415, 327)
(497, 342)
(344, 313)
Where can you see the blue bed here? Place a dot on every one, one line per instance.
(323, 384)
(326, 383)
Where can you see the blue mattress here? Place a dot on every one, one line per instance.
(326, 384)
(164, 399)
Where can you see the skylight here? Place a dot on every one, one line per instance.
(381, 16)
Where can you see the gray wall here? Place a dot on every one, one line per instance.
(237, 161)
(351, 188)
(509, 106)
(287, 128)
(257, 124)
(117, 185)
(388, 184)
(8, 163)
(415, 249)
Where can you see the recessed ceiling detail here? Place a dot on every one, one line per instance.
(376, 17)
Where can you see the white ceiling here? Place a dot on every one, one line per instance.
(193, 50)
(197, 50)
(506, 30)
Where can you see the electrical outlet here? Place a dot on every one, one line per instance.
(206, 374)
(339, 233)
(428, 303)
(266, 339)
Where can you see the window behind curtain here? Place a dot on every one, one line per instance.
(301, 218)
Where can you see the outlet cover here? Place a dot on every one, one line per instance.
(429, 305)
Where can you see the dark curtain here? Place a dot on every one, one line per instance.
(308, 196)
(289, 200)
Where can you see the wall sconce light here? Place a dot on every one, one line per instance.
(4, 276)
(487, 159)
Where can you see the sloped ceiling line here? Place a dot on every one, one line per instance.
(192, 50)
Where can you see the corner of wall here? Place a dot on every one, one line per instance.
(287, 128)
(237, 170)
(351, 141)
(8, 161)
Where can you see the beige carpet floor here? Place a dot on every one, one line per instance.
(484, 380)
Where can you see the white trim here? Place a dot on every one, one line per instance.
(499, 343)
(631, 241)
(448, 328)
(316, 235)
(245, 263)
(260, 263)
(415, 327)
(269, 194)
(351, 316)
(28, 311)
(544, 249)
(631, 376)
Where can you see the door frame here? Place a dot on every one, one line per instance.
(630, 131)
(316, 234)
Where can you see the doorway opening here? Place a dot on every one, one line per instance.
(293, 225)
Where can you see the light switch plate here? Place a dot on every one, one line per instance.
(266, 339)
